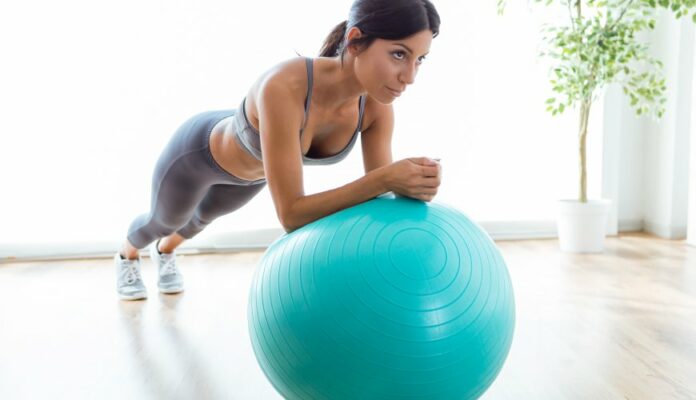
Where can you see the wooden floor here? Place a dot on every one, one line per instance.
(618, 325)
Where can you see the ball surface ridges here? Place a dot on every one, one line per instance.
(390, 299)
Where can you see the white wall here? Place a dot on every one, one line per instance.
(89, 98)
(93, 91)
(647, 162)
(691, 229)
(666, 149)
(622, 176)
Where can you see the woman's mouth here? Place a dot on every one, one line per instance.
(396, 93)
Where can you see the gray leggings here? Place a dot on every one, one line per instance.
(190, 189)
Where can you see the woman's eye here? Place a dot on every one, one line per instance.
(420, 60)
(398, 52)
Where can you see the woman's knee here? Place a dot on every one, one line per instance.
(147, 225)
(193, 227)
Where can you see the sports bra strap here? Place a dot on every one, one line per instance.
(310, 74)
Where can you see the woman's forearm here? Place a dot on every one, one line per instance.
(313, 207)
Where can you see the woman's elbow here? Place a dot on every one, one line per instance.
(289, 217)
(287, 221)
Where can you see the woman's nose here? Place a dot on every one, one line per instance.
(408, 74)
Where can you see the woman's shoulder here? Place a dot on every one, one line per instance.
(290, 73)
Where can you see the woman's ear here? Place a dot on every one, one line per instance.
(352, 34)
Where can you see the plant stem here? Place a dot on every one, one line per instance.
(616, 21)
(570, 13)
(584, 118)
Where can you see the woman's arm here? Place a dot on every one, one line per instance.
(377, 154)
(307, 209)
(280, 119)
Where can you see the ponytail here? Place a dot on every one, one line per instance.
(333, 43)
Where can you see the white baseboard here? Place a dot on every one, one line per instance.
(665, 231)
(630, 225)
(258, 240)
(511, 230)
(227, 242)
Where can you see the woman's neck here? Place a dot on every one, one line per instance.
(335, 88)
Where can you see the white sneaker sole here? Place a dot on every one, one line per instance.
(171, 290)
(136, 296)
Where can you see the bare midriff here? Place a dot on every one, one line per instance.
(230, 156)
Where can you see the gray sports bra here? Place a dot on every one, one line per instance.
(248, 137)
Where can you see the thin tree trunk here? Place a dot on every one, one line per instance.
(584, 117)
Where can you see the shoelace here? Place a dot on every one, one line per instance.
(132, 274)
(169, 267)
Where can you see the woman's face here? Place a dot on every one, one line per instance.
(387, 67)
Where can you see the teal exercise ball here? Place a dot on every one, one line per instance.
(393, 298)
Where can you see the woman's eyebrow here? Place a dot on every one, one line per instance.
(407, 48)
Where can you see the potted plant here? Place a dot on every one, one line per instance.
(597, 45)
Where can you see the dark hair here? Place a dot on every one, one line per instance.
(381, 19)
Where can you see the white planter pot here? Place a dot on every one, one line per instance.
(582, 226)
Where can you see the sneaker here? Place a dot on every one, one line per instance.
(129, 283)
(170, 279)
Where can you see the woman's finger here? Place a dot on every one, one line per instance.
(427, 170)
(428, 190)
(431, 181)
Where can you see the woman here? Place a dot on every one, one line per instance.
(218, 160)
